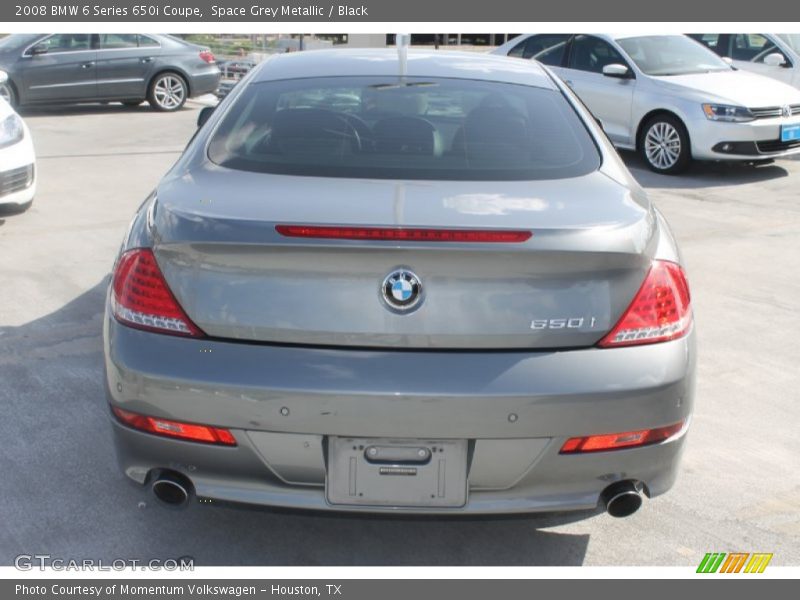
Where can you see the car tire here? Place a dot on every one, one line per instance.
(664, 145)
(8, 94)
(168, 92)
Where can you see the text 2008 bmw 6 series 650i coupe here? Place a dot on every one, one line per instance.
(421, 284)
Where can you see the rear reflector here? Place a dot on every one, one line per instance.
(403, 234)
(142, 298)
(618, 441)
(184, 431)
(660, 311)
(207, 56)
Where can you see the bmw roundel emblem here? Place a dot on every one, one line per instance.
(402, 290)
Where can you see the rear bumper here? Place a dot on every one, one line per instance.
(516, 408)
(204, 81)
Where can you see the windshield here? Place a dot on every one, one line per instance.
(410, 128)
(793, 39)
(662, 55)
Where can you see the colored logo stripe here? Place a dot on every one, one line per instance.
(713, 562)
(758, 563)
(734, 562)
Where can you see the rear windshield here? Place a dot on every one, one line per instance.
(409, 128)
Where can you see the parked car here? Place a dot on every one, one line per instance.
(105, 67)
(232, 72)
(17, 159)
(438, 291)
(770, 54)
(670, 98)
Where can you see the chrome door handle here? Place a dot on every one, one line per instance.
(88, 65)
(147, 59)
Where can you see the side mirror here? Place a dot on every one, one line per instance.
(727, 59)
(205, 115)
(775, 59)
(40, 48)
(3, 77)
(616, 70)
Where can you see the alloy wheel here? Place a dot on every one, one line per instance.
(662, 145)
(169, 92)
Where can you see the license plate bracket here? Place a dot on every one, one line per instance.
(397, 472)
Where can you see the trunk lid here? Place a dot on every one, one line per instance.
(237, 277)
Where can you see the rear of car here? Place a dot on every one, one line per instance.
(17, 161)
(197, 62)
(433, 292)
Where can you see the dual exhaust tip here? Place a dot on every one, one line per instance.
(620, 499)
(172, 489)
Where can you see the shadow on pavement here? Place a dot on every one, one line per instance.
(703, 174)
(68, 499)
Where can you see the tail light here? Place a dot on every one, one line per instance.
(184, 431)
(660, 311)
(142, 298)
(618, 441)
(405, 234)
(207, 56)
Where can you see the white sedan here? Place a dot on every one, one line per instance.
(670, 98)
(17, 159)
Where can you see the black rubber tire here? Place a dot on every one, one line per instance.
(151, 92)
(684, 154)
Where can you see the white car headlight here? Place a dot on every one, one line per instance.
(11, 131)
(728, 113)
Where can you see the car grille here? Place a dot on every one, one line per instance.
(16, 180)
(776, 146)
(771, 112)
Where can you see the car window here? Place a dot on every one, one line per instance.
(547, 48)
(588, 53)
(712, 41)
(753, 47)
(792, 39)
(113, 41)
(666, 55)
(385, 128)
(68, 42)
(147, 42)
(518, 50)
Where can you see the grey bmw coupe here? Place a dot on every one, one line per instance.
(105, 67)
(418, 283)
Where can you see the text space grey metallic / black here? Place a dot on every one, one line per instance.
(385, 284)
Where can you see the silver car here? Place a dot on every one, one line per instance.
(105, 67)
(769, 54)
(388, 284)
(671, 98)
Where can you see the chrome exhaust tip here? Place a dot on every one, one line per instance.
(622, 499)
(172, 489)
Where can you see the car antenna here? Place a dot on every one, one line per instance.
(403, 40)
